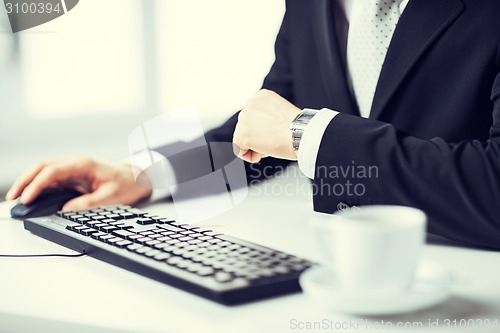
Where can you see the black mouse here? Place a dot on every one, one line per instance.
(47, 203)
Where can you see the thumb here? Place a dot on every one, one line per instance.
(100, 197)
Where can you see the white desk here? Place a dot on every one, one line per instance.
(89, 292)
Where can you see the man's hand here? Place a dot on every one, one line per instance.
(103, 184)
(263, 128)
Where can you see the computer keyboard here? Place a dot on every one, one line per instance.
(204, 262)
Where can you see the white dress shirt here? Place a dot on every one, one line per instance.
(313, 132)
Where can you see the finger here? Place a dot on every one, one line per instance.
(102, 196)
(52, 174)
(252, 157)
(256, 157)
(242, 152)
(21, 182)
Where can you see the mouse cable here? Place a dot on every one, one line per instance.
(42, 255)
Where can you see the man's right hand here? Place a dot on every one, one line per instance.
(102, 184)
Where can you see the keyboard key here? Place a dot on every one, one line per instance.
(173, 260)
(187, 255)
(88, 232)
(122, 233)
(128, 215)
(169, 227)
(143, 240)
(161, 246)
(101, 225)
(145, 221)
(161, 256)
(114, 240)
(98, 234)
(114, 216)
(76, 217)
(116, 224)
(211, 233)
(105, 237)
(223, 277)
(201, 236)
(92, 223)
(205, 271)
(123, 243)
(164, 221)
(70, 226)
(170, 248)
(175, 236)
(143, 249)
(135, 237)
(134, 247)
(193, 267)
(80, 228)
(152, 253)
(179, 252)
(183, 263)
(108, 228)
(65, 215)
(155, 236)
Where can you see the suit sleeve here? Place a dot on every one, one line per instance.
(362, 162)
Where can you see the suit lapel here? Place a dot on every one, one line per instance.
(420, 24)
(330, 61)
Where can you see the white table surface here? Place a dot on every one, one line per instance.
(42, 292)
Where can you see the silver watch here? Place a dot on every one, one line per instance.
(298, 125)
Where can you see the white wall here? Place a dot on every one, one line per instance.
(214, 54)
(81, 86)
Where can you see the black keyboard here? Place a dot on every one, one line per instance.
(207, 263)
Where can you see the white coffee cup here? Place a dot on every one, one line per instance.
(373, 249)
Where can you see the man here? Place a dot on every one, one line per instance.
(411, 87)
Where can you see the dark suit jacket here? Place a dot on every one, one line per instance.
(434, 128)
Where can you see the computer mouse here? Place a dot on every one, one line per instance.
(47, 203)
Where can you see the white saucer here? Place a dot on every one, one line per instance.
(430, 287)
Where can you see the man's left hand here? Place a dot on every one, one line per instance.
(263, 128)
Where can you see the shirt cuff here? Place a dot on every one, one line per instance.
(311, 140)
(158, 169)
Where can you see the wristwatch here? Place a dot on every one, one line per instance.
(298, 125)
